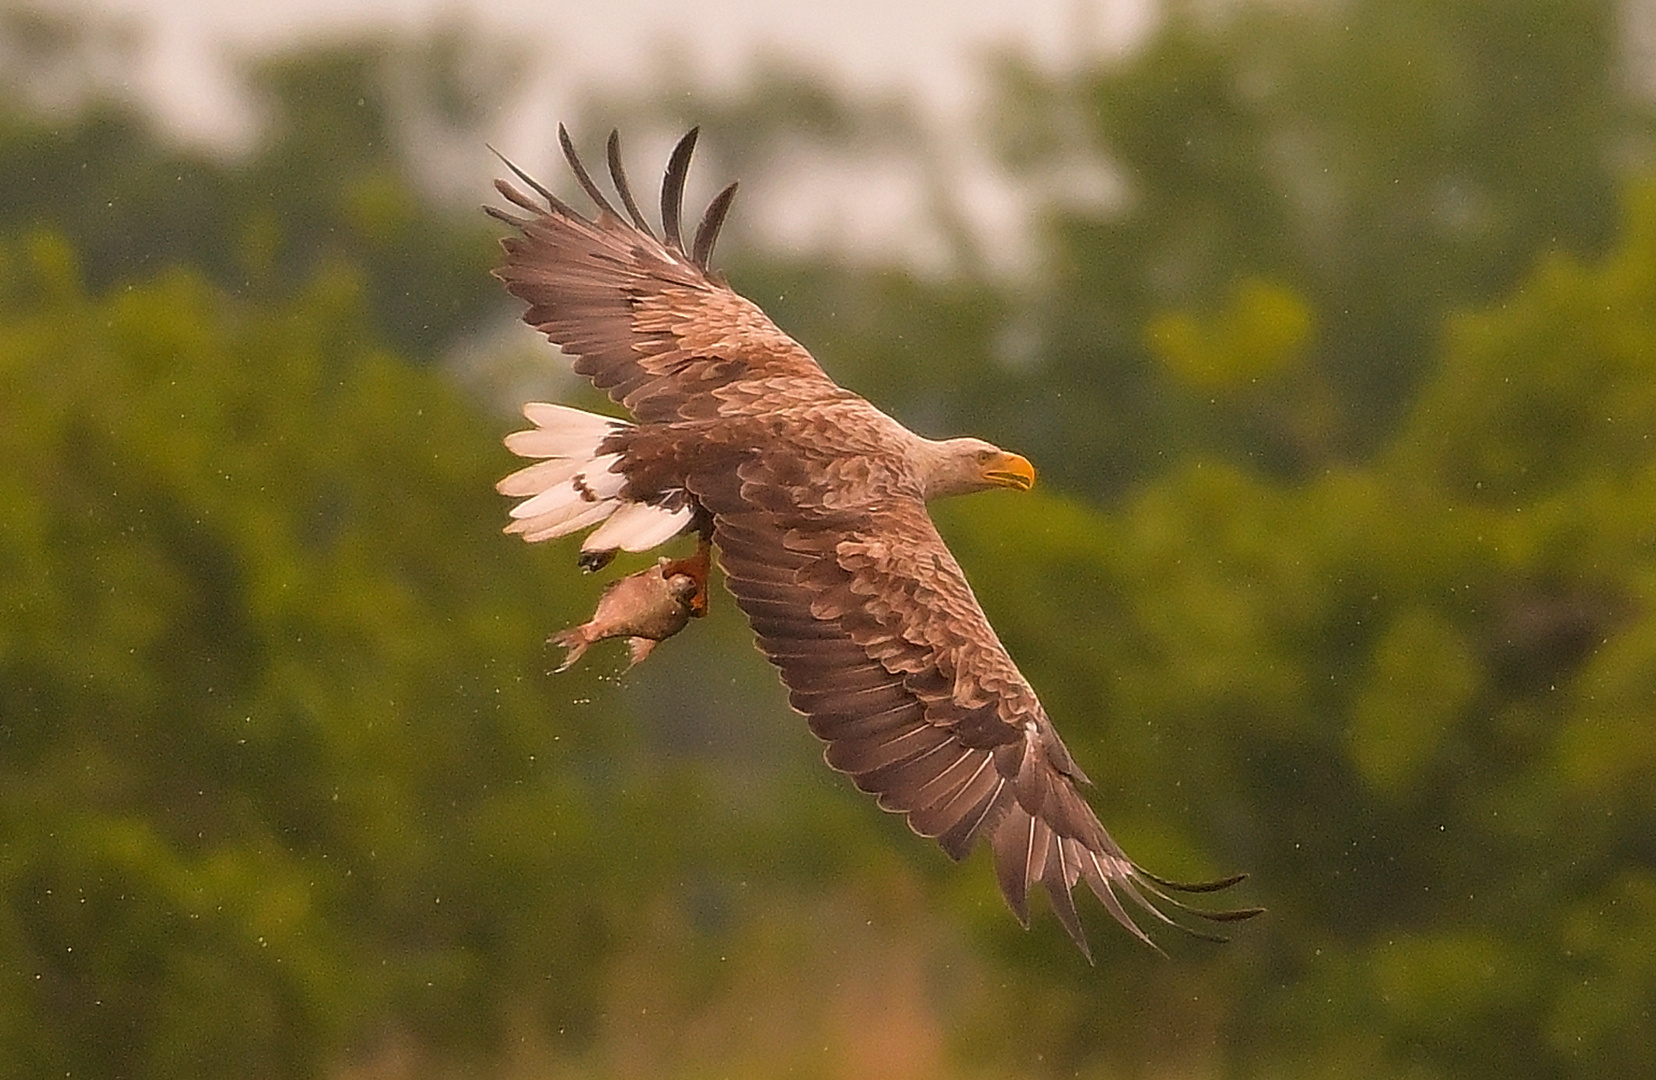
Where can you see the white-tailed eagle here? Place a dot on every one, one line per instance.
(816, 502)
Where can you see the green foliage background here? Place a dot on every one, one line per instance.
(1345, 574)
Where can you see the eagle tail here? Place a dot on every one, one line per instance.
(579, 480)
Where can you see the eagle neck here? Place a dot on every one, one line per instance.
(938, 467)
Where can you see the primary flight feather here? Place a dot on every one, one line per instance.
(816, 503)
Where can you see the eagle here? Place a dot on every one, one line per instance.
(815, 501)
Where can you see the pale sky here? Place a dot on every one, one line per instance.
(928, 46)
(931, 49)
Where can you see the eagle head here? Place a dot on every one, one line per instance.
(962, 466)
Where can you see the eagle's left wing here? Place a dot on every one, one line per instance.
(884, 648)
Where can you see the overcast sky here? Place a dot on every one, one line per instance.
(929, 49)
(928, 46)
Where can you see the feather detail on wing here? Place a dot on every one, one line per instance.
(885, 650)
(645, 318)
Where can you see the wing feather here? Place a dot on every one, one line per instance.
(899, 780)
(618, 174)
(645, 319)
(804, 628)
(1057, 878)
(707, 233)
(853, 702)
(581, 177)
(885, 650)
(672, 189)
(869, 760)
(958, 838)
(846, 680)
(834, 727)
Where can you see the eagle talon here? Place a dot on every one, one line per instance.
(593, 561)
(696, 568)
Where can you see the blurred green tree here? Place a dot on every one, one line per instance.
(282, 782)
(1414, 696)
(333, 179)
(1385, 162)
(276, 764)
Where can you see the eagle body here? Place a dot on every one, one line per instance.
(815, 502)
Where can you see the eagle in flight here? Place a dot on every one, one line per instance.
(816, 502)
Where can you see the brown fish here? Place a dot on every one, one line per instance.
(647, 607)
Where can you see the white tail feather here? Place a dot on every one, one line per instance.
(534, 479)
(638, 527)
(575, 485)
(544, 443)
(594, 481)
(561, 432)
(545, 528)
(566, 517)
(555, 417)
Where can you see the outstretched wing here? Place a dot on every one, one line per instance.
(645, 318)
(885, 650)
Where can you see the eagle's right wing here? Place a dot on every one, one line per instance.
(645, 318)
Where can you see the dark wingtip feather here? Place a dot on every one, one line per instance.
(707, 233)
(1193, 886)
(618, 174)
(1151, 882)
(500, 215)
(672, 189)
(517, 198)
(1055, 879)
(1010, 850)
(581, 176)
(551, 200)
(1063, 906)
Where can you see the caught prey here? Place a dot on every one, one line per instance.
(646, 608)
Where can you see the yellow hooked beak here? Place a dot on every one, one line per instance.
(1010, 470)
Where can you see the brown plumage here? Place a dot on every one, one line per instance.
(816, 502)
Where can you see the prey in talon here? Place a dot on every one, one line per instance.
(646, 608)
